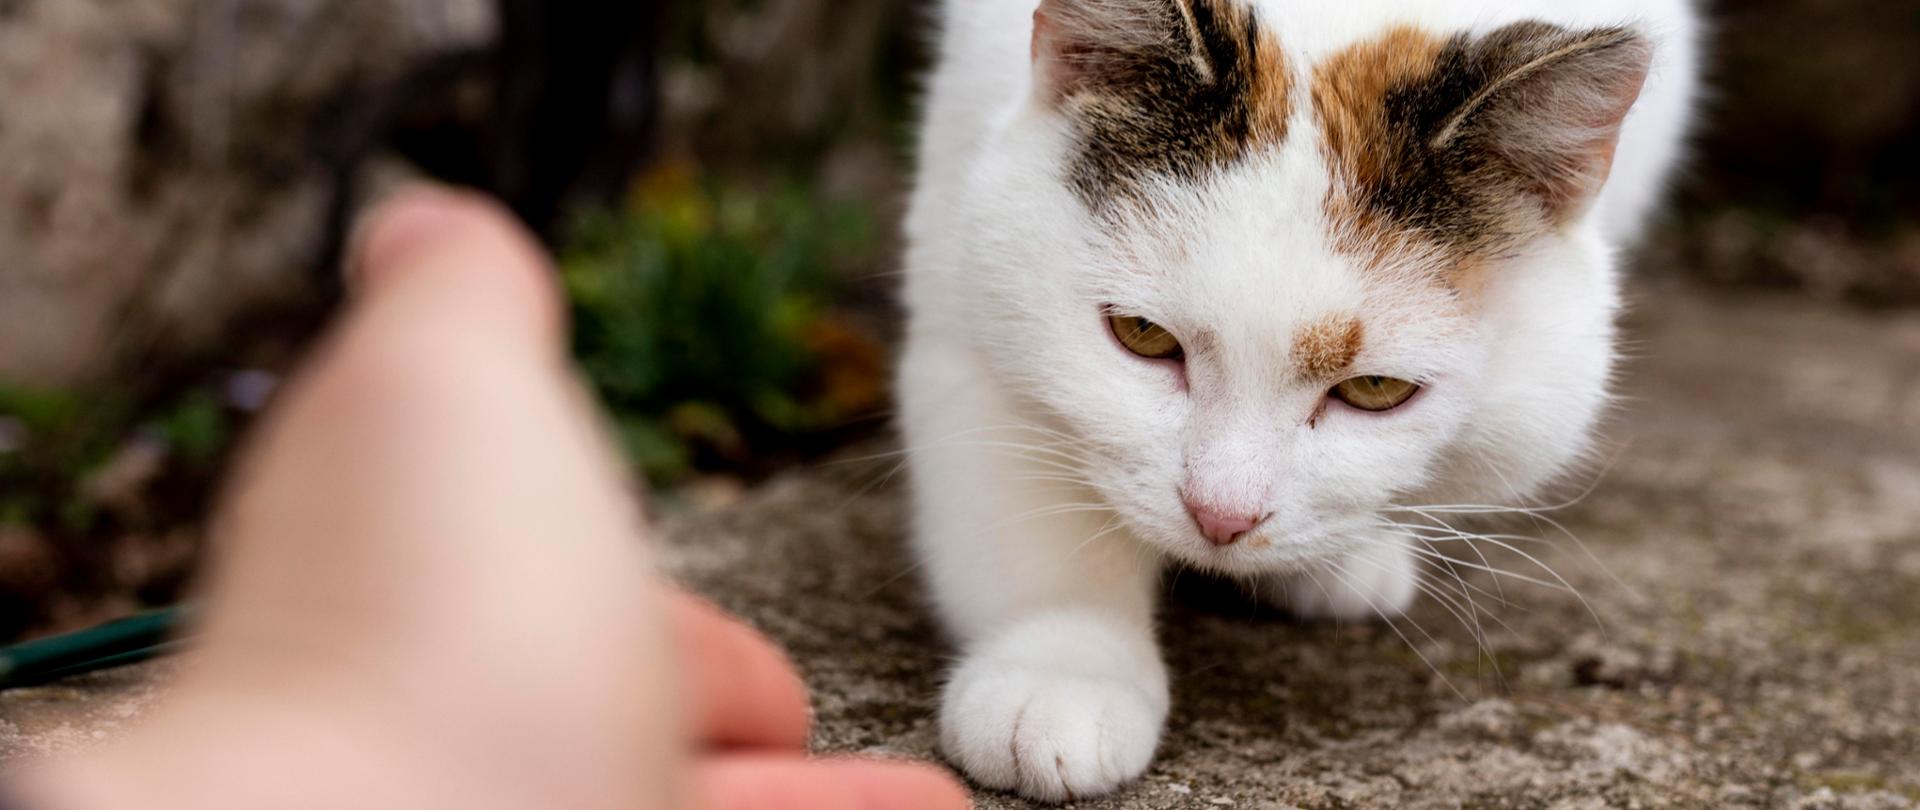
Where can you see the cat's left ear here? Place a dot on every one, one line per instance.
(1107, 45)
(1548, 103)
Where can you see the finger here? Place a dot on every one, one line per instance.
(745, 691)
(460, 259)
(766, 782)
(436, 466)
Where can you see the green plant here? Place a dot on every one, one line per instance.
(700, 315)
(66, 437)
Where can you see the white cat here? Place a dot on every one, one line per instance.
(1222, 281)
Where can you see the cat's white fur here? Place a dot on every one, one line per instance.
(1047, 462)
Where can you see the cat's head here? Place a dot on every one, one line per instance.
(1275, 291)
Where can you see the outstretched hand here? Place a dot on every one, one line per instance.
(430, 589)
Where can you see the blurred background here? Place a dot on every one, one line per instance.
(721, 181)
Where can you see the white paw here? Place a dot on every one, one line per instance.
(1379, 582)
(1054, 728)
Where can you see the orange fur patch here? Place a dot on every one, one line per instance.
(1349, 97)
(1327, 348)
(1447, 151)
(1350, 92)
(1271, 98)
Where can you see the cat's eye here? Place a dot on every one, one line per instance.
(1376, 394)
(1145, 338)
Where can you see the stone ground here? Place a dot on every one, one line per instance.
(1750, 638)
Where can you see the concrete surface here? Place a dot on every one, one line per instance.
(1761, 647)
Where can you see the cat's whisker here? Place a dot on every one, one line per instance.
(1043, 455)
(954, 440)
(1459, 582)
(1457, 534)
(1467, 589)
(1417, 534)
(1470, 540)
(1009, 427)
(1481, 508)
(1369, 595)
(1448, 569)
(1053, 451)
(1586, 550)
(1559, 582)
(1468, 620)
(1426, 552)
(1044, 512)
(1445, 535)
(909, 450)
(1069, 479)
(1502, 572)
(869, 487)
(1471, 621)
(902, 574)
(1444, 563)
(1112, 525)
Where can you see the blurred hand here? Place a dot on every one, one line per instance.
(429, 590)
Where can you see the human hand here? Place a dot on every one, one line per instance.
(429, 589)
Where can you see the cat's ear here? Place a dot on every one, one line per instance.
(1095, 45)
(1549, 103)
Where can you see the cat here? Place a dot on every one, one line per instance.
(1222, 282)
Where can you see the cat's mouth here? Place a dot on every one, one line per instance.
(1267, 549)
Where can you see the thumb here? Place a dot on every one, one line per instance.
(456, 260)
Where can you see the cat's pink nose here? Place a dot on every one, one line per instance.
(1220, 528)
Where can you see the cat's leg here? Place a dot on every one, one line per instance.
(1060, 692)
(1057, 705)
(1378, 581)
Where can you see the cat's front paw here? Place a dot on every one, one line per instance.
(1377, 582)
(1058, 707)
(1050, 735)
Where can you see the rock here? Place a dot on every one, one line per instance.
(164, 163)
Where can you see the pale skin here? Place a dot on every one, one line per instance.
(431, 588)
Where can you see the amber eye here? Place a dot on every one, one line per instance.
(1375, 394)
(1145, 338)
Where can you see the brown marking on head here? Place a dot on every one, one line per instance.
(1271, 97)
(1350, 98)
(1326, 349)
(1349, 93)
(1171, 88)
(1461, 149)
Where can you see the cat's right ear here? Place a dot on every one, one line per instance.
(1094, 45)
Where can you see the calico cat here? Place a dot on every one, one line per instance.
(1228, 283)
